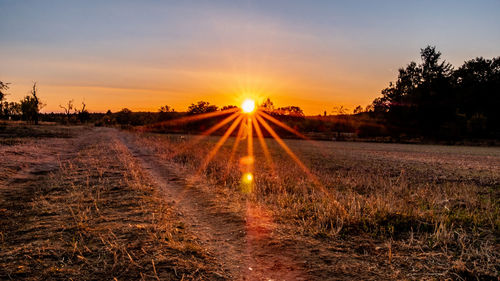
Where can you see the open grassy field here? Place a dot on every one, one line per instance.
(78, 208)
(99, 203)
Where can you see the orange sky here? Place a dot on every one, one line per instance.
(142, 55)
(221, 78)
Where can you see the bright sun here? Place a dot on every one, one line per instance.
(248, 106)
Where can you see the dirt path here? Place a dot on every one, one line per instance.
(242, 241)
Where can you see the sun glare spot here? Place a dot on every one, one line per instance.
(248, 177)
(248, 106)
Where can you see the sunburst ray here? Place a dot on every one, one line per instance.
(282, 125)
(197, 117)
(294, 157)
(218, 145)
(236, 142)
(204, 134)
(263, 145)
(287, 149)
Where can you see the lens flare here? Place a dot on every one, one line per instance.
(246, 160)
(248, 106)
(247, 184)
(248, 177)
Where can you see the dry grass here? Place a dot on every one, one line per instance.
(75, 204)
(434, 210)
(94, 216)
(16, 132)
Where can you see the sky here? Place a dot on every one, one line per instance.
(313, 54)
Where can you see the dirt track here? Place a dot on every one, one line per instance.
(243, 241)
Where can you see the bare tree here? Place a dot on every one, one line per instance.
(3, 106)
(358, 109)
(3, 87)
(67, 109)
(340, 110)
(166, 108)
(83, 113)
(31, 105)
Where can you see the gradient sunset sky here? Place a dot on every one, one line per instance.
(314, 54)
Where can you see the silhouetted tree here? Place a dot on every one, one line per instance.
(340, 110)
(432, 99)
(434, 96)
(10, 109)
(3, 87)
(478, 94)
(3, 106)
(166, 113)
(226, 107)
(67, 110)
(166, 108)
(83, 114)
(124, 116)
(357, 110)
(201, 107)
(267, 106)
(290, 111)
(380, 105)
(30, 106)
(106, 120)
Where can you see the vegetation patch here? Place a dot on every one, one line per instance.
(96, 216)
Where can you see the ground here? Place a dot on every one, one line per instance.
(88, 203)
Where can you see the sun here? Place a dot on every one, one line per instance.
(248, 106)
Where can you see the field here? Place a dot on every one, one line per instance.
(86, 203)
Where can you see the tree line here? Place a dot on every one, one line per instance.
(28, 109)
(434, 99)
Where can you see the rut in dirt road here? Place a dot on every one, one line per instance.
(242, 240)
